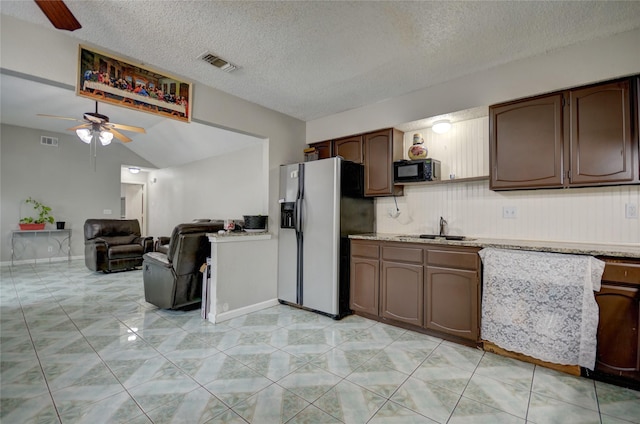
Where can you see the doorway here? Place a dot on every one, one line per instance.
(132, 204)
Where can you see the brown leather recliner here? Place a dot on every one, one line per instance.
(173, 280)
(114, 244)
(162, 242)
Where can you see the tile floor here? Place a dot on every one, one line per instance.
(82, 347)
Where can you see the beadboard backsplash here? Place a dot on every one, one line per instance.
(593, 214)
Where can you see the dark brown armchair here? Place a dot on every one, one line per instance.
(114, 244)
(173, 280)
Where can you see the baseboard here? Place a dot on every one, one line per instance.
(226, 316)
(40, 260)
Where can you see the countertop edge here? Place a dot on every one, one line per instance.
(594, 249)
(237, 237)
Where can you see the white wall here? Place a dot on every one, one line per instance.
(579, 64)
(221, 187)
(61, 177)
(471, 209)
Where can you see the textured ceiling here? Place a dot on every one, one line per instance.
(309, 59)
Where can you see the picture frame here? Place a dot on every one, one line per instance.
(109, 79)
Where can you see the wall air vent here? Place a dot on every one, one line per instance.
(48, 141)
(218, 62)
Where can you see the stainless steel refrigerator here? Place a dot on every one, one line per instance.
(321, 203)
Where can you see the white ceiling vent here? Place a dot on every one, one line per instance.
(48, 141)
(218, 62)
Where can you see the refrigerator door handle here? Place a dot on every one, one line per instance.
(299, 199)
(297, 208)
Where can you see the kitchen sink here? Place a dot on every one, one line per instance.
(435, 236)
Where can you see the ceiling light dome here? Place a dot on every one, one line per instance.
(441, 127)
(105, 138)
(84, 134)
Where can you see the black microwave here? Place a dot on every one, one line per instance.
(409, 171)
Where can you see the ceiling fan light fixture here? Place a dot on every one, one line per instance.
(441, 127)
(105, 138)
(84, 134)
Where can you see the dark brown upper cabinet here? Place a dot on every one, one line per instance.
(324, 149)
(350, 148)
(526, 143)
(579, 137)
(376, 150)
(381, 149)
(601, 144)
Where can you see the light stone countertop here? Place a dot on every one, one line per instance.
(238, 236)
(627, 250)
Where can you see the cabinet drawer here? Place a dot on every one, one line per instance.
(365, 250)
(453, 259)
(621, 273)
(399, 253)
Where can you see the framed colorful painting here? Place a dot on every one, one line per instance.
(109, 79)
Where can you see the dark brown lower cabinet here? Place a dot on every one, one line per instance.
(429, 287)
(618, 353)
(451, 301)
(402, 292)
(364, 287)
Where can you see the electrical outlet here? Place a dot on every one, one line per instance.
(631, 211)
(50, 249)
(107, 212)
(509, 212)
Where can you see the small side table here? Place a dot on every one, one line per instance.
(31, 238)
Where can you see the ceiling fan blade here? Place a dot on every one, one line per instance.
(126, 127)
(79, 126)
(120, 136)
(60, 117)
(59, 14)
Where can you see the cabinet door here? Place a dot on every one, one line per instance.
(526, 143)
(365, 284)
(602, 148)
(618, 335)
(323, 148)
(451, 299)
(381, 148)
(350, 148)
(401, 288)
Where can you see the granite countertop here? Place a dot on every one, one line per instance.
(596, 249)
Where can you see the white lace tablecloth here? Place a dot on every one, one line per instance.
(541, 304)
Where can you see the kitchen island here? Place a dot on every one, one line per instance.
(238, 260)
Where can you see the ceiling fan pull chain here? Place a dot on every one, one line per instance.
(95, 151)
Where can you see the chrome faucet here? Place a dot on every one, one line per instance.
(443, 224)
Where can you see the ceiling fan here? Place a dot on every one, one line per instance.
(96, 125)
(59, 14)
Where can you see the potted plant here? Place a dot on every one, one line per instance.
(38, 223)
